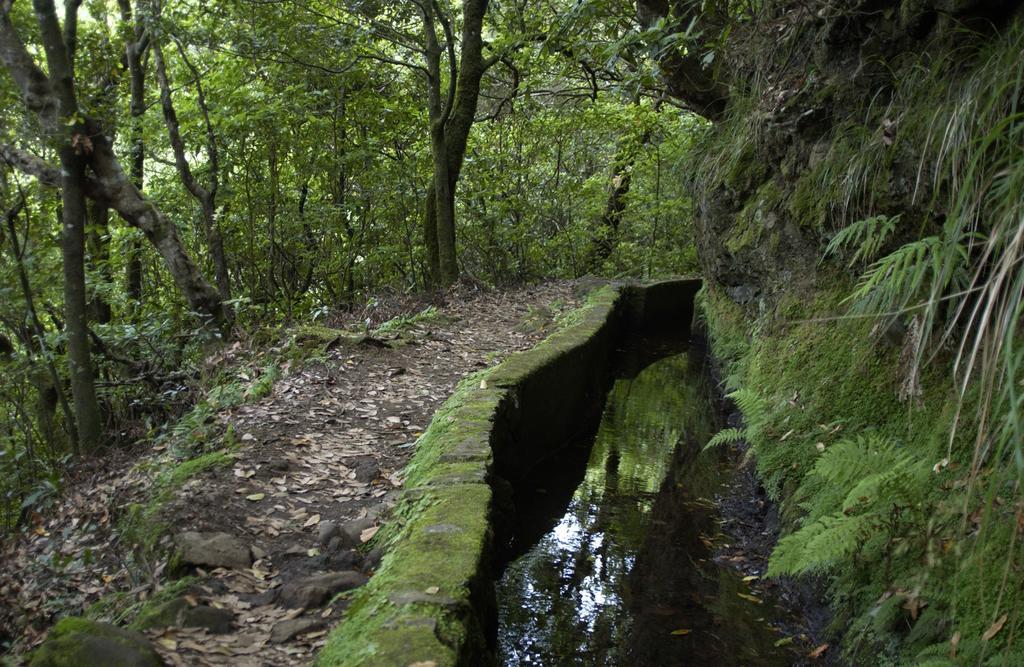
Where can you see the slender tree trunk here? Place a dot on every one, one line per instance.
(134, 51)
(451, 119)
(83, 390)
(272, 218)
(73, 143)
(621, 182)
(137, 109)
(215, 242)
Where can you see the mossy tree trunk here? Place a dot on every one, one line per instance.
(451, 119)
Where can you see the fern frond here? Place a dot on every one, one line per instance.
(852, 459)
(750, 404)
(820, 544)
(865, 236)
(726, 437)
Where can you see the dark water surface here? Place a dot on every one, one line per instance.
(615, 568)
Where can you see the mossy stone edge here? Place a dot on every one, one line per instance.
(432, 599)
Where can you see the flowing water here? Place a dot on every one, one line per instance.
(615, 568)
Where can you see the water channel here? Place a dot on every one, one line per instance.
(612, 560)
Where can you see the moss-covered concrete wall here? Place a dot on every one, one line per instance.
(432, 600)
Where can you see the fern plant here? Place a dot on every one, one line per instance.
(864, 237)
(859, 485)
(754, 409)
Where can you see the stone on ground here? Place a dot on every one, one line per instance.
(79, 642)
(314, 591)
(292, 627)
(214, 550)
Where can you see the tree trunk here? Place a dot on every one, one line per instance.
(83, 390)
(272, 218)
(686, 75)
(215, 242)
(73, 143)
(136, 109)
(433, 273)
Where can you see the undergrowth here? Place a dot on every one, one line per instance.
(885, 413)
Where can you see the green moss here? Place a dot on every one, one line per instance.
(80, 642)
(161, 610)
(403, 323)
(753, 221)
(417, 606)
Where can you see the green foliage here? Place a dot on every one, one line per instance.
(865, 237)
(858, 486)
(754, 410)
(726, 436)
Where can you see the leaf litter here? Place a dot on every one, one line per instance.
(328, 444)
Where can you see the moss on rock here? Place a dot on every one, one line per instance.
(80, 642)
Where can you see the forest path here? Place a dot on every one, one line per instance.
(317, 462)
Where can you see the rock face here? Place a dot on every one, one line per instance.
(78, 642)
(214, 550)
(314, 591)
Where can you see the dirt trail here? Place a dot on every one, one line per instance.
(319, 459)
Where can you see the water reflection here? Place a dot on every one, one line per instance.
(624, 576)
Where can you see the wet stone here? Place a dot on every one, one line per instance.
(367, 471)
(339, 558)
(353, 530)
(373, 557)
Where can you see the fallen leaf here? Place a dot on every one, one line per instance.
(953, 643)
(682, 631)
(817, 653)
(750, 598)
(750, 578)
(785, 641)
(168, 643)
(994, 629)
(312, 521)
(433, 590)
(368, 534)
(256, 496)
